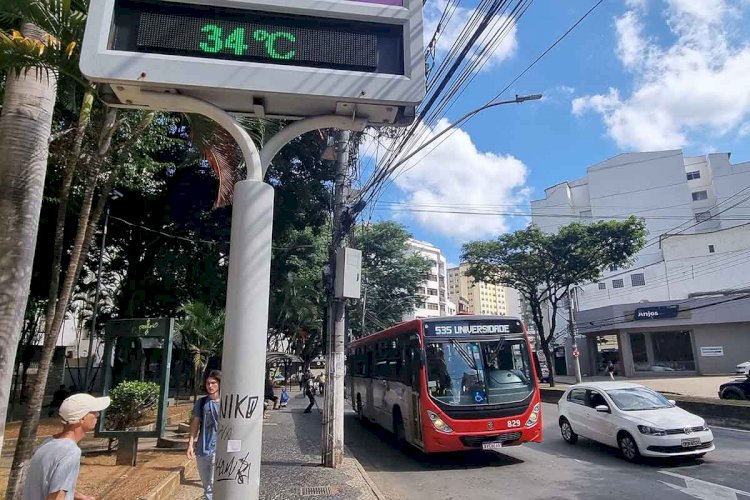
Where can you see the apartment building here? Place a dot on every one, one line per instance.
(434, 291)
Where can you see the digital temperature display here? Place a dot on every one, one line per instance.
(200, 31)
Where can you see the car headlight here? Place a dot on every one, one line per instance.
(534, 417)
(705, 426)
(438, 423)
(651, 431)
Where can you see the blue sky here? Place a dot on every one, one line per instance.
(636, 75)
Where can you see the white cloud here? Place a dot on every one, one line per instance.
(451, 31)
(458, 177)
(697, 84)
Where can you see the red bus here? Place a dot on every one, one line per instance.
(449, 383)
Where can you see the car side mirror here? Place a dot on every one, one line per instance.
(602, 408)
(672, 402)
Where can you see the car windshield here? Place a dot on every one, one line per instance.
(638, 398)
(471, 373)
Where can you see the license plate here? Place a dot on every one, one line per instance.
(689, 443)
(495, 445)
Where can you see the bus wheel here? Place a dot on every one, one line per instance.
(399, 430)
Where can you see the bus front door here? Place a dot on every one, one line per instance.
(414, 369)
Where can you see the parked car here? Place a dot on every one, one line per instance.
(743, 368)
(737, 389)
(633, 418)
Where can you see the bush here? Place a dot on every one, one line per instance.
(132, 401)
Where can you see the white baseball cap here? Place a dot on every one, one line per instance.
(77, 406)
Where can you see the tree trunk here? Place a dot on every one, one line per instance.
(550, 366)
(27, 433)
(25, 126)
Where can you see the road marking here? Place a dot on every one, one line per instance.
(703, 490)
(729, 429)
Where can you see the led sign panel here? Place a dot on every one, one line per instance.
(262, 58)
(193, 30)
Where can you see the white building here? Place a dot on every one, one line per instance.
(698, 243)
(434, 291)
(695, 209)
(481, 298)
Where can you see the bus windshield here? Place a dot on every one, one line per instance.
(467, 372)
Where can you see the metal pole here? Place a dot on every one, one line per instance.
(572, 330)
(95, 312)
(333, 416)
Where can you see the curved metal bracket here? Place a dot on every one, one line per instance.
(296, 129)
(185, 104)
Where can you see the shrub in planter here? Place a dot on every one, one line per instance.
(134, 403)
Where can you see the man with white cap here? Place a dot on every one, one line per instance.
(53, 471)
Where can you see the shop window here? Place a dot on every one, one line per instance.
(640, 353)
(673, 351)
(638, 279)
(618, 283)
(602, 286)
(700, 195)
(694, 175)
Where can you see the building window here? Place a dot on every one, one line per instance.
(432, 291)
(694, 175)
(702, 216)
(711, 249)
(432, 307)
(638, 279)
(602, 286)
(618, 284)
(433, 277)
(700, 195)
(613, 268)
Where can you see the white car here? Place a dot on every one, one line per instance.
(743, 368)
(633, 418)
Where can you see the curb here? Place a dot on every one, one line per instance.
(169, 486)
(373, 487)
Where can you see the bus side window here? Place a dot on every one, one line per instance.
(369, 365)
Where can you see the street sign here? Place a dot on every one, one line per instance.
(262, 57)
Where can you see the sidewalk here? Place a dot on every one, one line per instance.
(290, 466)
(704, 386)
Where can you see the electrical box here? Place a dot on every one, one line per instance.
(348, 282)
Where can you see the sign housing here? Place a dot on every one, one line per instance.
(271, 58)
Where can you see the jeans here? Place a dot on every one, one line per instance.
(206, 473)
(310, 396)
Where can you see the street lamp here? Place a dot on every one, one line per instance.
(114, 195)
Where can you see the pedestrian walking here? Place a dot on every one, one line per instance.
(309, 391)
(204, 431)
(54, 467)
(611, 369)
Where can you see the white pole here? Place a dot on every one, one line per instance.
(238, 449)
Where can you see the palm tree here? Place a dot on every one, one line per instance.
(202, 332)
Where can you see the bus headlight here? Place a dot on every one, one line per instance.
(438, 423)
(534, 417)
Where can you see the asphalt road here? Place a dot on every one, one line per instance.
(551, 470)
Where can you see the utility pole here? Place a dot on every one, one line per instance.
(333, 413)
(572, 330)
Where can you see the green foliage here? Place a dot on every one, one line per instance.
(132, 401)
(543, 267)
(202, 333)
(391, 276)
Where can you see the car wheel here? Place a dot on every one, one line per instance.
(566, 430)
(628, 447)
(732, 394)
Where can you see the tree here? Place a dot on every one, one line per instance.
(543, 267)
(25, 125)
(202, 332)
(391, 277)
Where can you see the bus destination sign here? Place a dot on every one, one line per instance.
(255, 36)
(472, 328)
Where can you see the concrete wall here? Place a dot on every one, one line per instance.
(734, 338)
